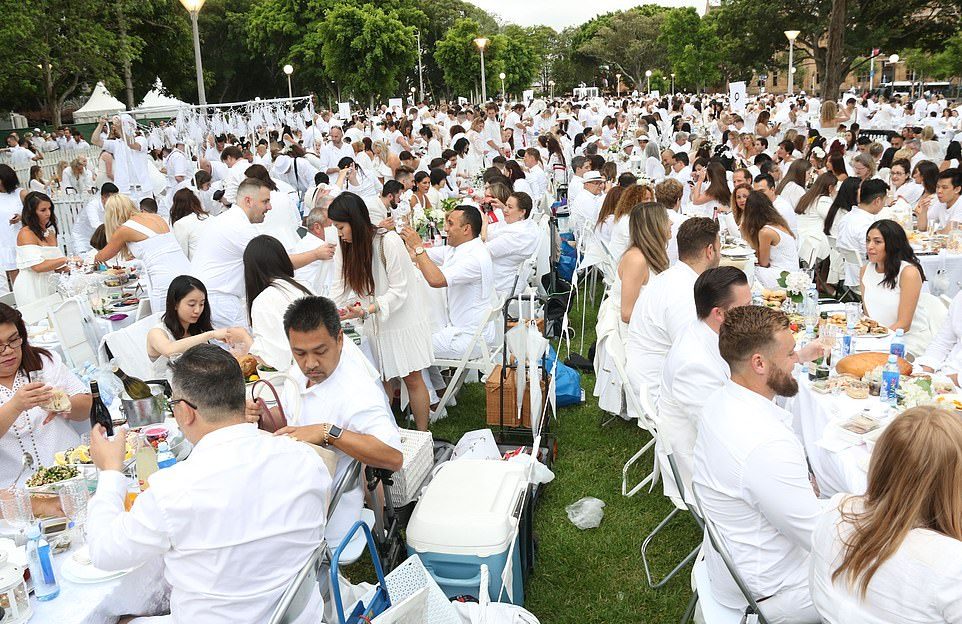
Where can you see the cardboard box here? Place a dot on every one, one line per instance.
(492, 390)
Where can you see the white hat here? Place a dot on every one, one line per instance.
(592, 176)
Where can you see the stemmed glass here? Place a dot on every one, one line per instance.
(73, 500)
(16, 508)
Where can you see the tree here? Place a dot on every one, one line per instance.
(517, 58)
(836, 44)
(365, 50)
(629, 43)
(459, 58)
(692, 48)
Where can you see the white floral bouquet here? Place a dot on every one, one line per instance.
(796, 283)
(915, 392)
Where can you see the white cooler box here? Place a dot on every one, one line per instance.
(467, 516)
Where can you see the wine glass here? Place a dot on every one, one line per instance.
(73, 500)
(16, 508)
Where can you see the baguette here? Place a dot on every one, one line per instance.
(860, 363)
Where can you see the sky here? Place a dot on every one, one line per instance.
(560, 14)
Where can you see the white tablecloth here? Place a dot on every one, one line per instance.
(943, 272)
(140, 592)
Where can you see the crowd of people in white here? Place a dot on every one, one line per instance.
(265, 243)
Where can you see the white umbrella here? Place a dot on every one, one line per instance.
(525, 342)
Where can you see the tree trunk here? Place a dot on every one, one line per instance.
(833, 75)
(50, 100)
(128, 74)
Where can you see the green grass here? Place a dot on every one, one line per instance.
(593, 576)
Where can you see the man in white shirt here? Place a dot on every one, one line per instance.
(579, 167)
(682, 172)
(944, 353)
(237, 165)
(584, 211)
(751, 474)
(234, 522)
(765, 184)
(334, 151)
(514, 242)
(491, 133)
(680, 143)
(337, 401)
(381, 207)
(694, 369)
(535, 174)
(318, 275)
(853, 227)
(18, 154)
(178, 171)
(130, 157)
(464, 267)
(666, 305)
(90, 218)
(948, 190)
(218, 260)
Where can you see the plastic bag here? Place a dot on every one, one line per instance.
(587, 512)
(540, 473)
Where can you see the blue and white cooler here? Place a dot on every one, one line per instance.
(469, 515)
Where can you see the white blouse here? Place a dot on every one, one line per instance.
(267, 324)
(187, 232)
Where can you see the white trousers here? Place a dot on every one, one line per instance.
(791, 606)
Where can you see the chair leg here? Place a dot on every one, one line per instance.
(644, 554)
(690, 611)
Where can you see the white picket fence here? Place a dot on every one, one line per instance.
(51, 160)
(67, 208)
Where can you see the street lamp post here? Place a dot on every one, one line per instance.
(504, 94)
(792, 35)
(193, 7)
(673, 84)
(420, 67)
(648, 80)
(551, 87)
(481, 42)
(618, 84)
(289, 69)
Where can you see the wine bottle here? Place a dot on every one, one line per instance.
(98, 411)
(135, 388)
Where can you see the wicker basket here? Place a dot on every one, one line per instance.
(417, 447)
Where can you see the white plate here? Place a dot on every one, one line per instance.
(77, 572)
(738, 252)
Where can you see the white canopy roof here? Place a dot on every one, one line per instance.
(158, 103)
(100, 103)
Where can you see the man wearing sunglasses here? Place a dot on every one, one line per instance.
(234, 522)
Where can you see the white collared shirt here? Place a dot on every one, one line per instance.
(954, 213)
(752, 479)
(665, 306)
(235, 175)
(234, 523)
(584, 211)
(918, 584)
(944, 353)
(352, 398)
(852, 229)
(469, 274)
(509, 246)
(218, 260)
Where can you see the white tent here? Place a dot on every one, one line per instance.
(100, 103)
(158, 103)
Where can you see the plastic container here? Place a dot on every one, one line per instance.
(898, 344)
(468, 516)
(39, 558)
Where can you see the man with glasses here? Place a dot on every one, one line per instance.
(234, 522)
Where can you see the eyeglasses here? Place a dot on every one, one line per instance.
(184, 401)
(13, 345)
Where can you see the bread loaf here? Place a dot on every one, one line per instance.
(248, 364)
(860, 363)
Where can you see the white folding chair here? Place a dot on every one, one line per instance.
(74, 331)
(703, 591)
(484, 363)
(128, 346)
(143, 308)
(851, 258)
(300, 592)
(348, 481)
(39, 309)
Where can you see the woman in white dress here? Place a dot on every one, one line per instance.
(894, 554)
(375, 280)
(892, 284)
(271, 288)
(829, 118)
(26, 425)
(793, 183)
(811, 210)
(186, 217)
(38, 254)
(37, 183)
(708, 199)
(186, 323)
(519, 181)
(770, 236)
(11, 207)
(146, 237)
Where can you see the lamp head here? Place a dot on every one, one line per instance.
(481, 42)
(648, 73)
(288, 69)
(792, 34)
(894, 58)
(193, 6)
(501, 75)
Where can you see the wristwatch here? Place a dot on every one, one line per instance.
(418, 250)
(333, 433)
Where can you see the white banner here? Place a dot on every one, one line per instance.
(527, 96)
(396, 104)
(737, 95)
(344, 110)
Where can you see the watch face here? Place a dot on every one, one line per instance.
(335, 432)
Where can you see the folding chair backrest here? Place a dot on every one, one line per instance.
(72, 328)
(128, 346)
(715, 539)
(299, 593)
(39, 309)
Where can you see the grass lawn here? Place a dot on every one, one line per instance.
(593, 576)
(584, 577)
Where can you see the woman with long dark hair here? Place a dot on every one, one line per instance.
(186, 216)
(271, 289)
(186, 323)
(893, 553)
(713, 196)
(794, 182)
(375, 281)
(931, 213)
(811, 210)
(770, 236)
(38, 254)
(11, 207)
(34, 414)
(519, 182)
(892, 284)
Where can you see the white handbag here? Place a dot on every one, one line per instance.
(486, 612)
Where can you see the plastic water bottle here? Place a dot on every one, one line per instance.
(890, 382)
(41, 567)
(810, 307)
(165, 459)
(898, 344)
(848, 340)
(809, 337)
